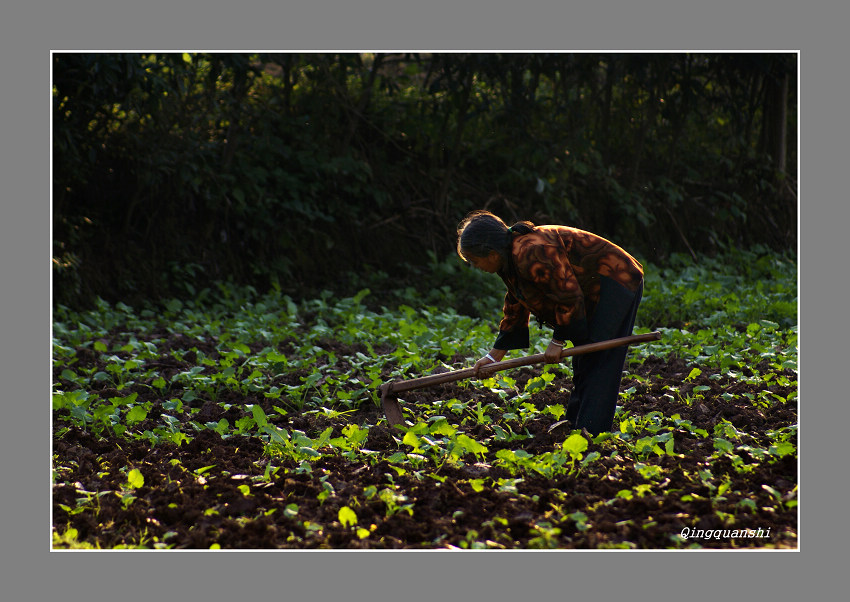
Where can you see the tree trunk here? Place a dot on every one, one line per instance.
(363, 103)
(775, 123)
(607, 98)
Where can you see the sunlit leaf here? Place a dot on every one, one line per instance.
(575, 444)
(135, 479)
(136, 414)
(347, 517)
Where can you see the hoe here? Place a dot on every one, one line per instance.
(392, 409)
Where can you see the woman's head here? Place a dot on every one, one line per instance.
(482, 233)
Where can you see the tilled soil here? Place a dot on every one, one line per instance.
(242, 503)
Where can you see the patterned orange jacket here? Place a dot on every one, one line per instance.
(559, 274)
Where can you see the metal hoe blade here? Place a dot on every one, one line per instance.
(390, 405)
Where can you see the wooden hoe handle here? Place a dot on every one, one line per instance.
(447, 377)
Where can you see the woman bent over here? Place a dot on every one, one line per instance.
(584, 287)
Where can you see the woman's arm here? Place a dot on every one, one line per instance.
(513, 329)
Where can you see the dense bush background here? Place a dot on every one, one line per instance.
(294, 171)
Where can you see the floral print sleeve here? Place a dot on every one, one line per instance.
(513, 329)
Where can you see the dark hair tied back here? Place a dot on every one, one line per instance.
(521, 228)
(481, 232)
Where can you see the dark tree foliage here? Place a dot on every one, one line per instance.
(171, 171)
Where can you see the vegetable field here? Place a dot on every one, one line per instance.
(232, 419)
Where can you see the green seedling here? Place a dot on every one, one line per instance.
(395, 502)
(347, 517)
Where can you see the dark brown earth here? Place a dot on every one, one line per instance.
(181, 506)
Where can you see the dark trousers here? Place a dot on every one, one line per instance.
(596, 376)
